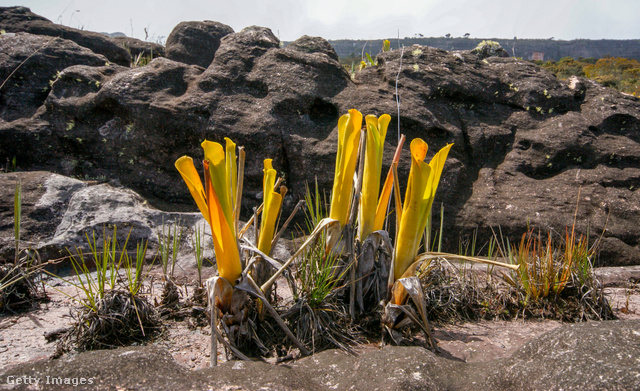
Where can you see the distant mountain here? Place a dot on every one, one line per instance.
(530, 49)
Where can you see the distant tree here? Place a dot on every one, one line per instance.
(467, 35)
(448, 35)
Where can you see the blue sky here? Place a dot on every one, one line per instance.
(356, 19)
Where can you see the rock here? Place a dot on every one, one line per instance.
(589, 356)
(526, 143)
(583, 356)
(137, 47)
(195, 43)
(307, 44)
(45, 198)
(37, 61)
(513, 166)
(21, 19)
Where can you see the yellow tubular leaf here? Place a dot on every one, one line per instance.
(346, 158)
(437, 165)
(232, 170)
(376, 133)
(191, 177)
(224, 242)
(416, 200)
(215, 155)
(271, 209)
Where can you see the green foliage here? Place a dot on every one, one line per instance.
(616, 72)
(547, 268)
(317, 271)
(169, 238)
(198, 252)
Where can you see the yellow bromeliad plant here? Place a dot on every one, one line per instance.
(271, 207)
(346, 158)
(371, 212)
(216, 200)
(421, 189)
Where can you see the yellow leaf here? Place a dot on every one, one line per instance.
(346, 158)
(421, 188)
(376, 134)
(191, 177)
(271, 209)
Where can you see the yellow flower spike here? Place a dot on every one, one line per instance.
(376, 134)
(191, 177)
(346, 158)
(216, 156)
(421, 187)
(271, 208)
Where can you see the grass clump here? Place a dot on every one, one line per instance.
(556, 280)
(317, 315)
(19, 287)
(113, 310)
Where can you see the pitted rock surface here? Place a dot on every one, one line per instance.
(588, 356)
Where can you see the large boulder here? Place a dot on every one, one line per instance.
(195, 43)
(30, 64)
(45, 198)
(21, 19)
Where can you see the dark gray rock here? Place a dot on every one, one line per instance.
(45, 198)
(29, 65)
(196, 43)
(307, 44)
(588, 356)
(21, 19)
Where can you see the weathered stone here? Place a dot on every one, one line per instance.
(584, 356)
(29, 65)
(21, 19)
(195, 43)
(307, 44)
(587, 356)
(45, 198)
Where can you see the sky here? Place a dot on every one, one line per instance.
(355, 19)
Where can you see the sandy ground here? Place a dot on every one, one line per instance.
(22, 336)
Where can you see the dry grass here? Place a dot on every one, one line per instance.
(119, 319)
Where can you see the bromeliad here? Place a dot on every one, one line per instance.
(346, 158)
(369, 212)
(421, 189)
(271, 207)
(217, 200)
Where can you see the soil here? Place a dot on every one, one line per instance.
(22, 336)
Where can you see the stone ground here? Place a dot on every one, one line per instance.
(22, 336)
